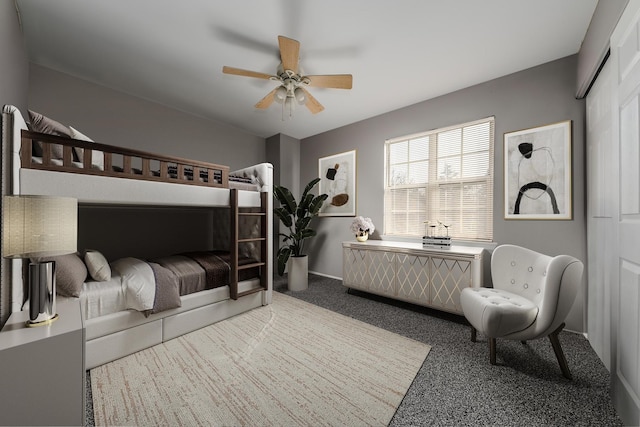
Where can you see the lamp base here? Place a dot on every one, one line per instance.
(42, 293)
(43, 322)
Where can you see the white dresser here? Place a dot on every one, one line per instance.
(431, 277)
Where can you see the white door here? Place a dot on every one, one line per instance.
(601, 208)
(625, 295)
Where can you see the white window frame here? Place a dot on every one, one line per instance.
(463, 224)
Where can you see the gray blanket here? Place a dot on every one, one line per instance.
(167, 289)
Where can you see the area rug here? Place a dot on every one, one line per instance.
(285, 364)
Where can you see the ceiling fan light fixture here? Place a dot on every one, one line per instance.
(281, 94)
(298, 93)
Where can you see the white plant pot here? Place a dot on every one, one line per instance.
(298, 278)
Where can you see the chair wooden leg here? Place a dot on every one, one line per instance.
(473, 334)
(555, 343)
(492, 351)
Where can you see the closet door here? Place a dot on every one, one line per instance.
(625, 296)
(601, 205)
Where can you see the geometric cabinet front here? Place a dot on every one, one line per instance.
(413, 277)
(449, 278)
(355, 264)
(370, 271)
(428, 278)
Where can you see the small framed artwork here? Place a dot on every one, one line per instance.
(338, 181)
(537, 173)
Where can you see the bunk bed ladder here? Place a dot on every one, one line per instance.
(236, 213)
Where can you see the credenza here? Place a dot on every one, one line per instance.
(431, 277)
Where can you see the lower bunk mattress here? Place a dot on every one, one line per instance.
(156, 285)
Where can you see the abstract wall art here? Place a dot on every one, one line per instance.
(537, 173)
(338, 181)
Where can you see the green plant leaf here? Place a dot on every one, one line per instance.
(309, 186)
(283, 256)
(303, 206)
(303, 223)
(306, 233)
(286, 237)
(284, 216)
(285, 198)
(316, 204)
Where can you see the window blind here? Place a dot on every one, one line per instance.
(444, 176)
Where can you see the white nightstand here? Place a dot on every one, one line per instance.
(42, 369)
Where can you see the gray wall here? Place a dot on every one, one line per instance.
(115, 118)
(283, 152)
(534, 97)
(14, 65)
(14, 73)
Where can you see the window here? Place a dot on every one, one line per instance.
(444, 176)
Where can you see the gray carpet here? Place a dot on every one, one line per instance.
(457, 386)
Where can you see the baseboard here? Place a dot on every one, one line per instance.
(325, 275)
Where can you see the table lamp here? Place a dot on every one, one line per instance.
(38, 227)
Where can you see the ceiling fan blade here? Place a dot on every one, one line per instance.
(267, 100)
(336, 81)
(245, 73)
(312, 104)
(289, 53)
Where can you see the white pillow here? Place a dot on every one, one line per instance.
(97, 157)
(97, 265)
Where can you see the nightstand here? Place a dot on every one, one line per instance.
(42, 369)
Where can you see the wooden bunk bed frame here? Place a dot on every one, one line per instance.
(119, 334)
(210, 174)
(217, 175)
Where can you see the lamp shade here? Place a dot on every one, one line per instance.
(39, 226)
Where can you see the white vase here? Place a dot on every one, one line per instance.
(362, 238)
(298, 278)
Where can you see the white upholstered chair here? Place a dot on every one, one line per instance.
(531, 296)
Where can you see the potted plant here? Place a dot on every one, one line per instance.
(296, 216)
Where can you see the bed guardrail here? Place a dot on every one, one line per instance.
(42, 151)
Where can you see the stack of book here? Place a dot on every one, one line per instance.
(436, 241)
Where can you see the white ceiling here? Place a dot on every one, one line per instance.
(400, 52)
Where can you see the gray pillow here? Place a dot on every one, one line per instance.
(44, 124)
(97, 265)
(70, 273)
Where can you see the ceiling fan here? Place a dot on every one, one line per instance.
(292, 80)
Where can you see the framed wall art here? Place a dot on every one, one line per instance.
(537, 173)
(338, 180)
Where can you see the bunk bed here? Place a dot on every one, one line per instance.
(100, 174)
